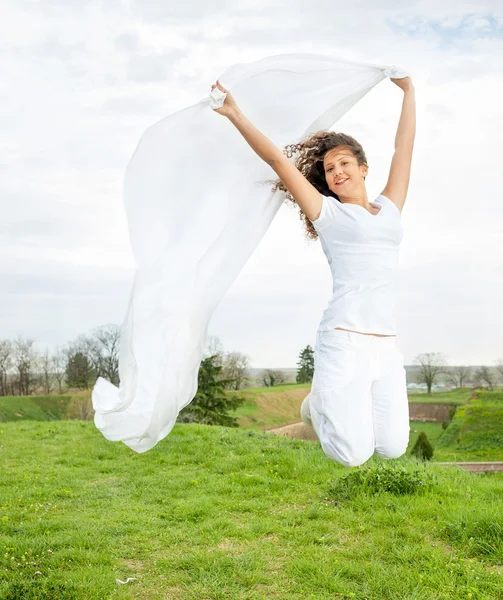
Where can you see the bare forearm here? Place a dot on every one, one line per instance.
(262, 145)
(406, 131)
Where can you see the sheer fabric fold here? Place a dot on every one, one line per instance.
(197, 208)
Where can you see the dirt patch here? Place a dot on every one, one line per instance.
(477, 467)
(134, 565)
(298, 431)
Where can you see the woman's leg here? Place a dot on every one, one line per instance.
(340, 398)
(390, 405)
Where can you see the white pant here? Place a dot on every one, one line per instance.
(358, 400)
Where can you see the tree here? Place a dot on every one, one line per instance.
(101, 348)
(6, 363)
(459, 376)
(46, 365)
(25, 358)
(422, 448)
(305, 365)
(431, 365)
(211, 404)
(271, 378)
(108, 340)
(214, 348)
(79, 371)
(59, 361)
(483, 378)
(499, 367)
(235, 367)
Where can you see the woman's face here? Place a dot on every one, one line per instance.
(341, 166)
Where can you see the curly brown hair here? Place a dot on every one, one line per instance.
(310, 163)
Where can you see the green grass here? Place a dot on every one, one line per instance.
(217, 513)
(476, 431)
(457, 396)
(280, 388)
(433, 431)
(33, 408)
(269, 407)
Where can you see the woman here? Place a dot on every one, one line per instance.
(358, 401)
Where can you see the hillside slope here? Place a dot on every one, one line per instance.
(476, 431)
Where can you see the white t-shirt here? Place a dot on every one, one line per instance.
(362, 250)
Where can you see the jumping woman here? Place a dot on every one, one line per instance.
(358, 402)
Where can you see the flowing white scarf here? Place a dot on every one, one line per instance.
(196, 210)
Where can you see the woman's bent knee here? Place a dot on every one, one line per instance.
(392, 451)
(355, 458)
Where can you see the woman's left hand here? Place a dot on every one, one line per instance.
(405, 83)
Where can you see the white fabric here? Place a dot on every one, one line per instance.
(217, 98)
(358, 400)
(196, 212)
(362, 250)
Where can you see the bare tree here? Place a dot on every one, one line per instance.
(46, 372)
(6, 364)
(235, 368)
(499, 367)
(101, 348)
(431, 365)
(483, 378)
(58, 364)
(460, 375)
(108, 338)
(214, 347)
(25, 358)
(272, 378)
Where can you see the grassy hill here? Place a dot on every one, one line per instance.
(217, 513)
(34, 408)
(476, 431)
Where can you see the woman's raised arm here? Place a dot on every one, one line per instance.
(306, 195)
(399, 175)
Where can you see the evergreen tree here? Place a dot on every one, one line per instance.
(211, 403)
(305, 365)
(79, 371)
(422, 448)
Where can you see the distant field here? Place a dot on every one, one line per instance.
(269, 407)
(457, 396)
(280, 405)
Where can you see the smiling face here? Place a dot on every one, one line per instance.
(343, 174)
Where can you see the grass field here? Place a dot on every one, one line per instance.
(216, 513)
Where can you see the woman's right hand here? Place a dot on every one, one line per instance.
(229, 105)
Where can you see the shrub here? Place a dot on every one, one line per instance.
(211, 404)
(383, 478)
(423, 448)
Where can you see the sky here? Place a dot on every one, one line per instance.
(81, 81)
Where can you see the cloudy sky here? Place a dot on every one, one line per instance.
(81, 81)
